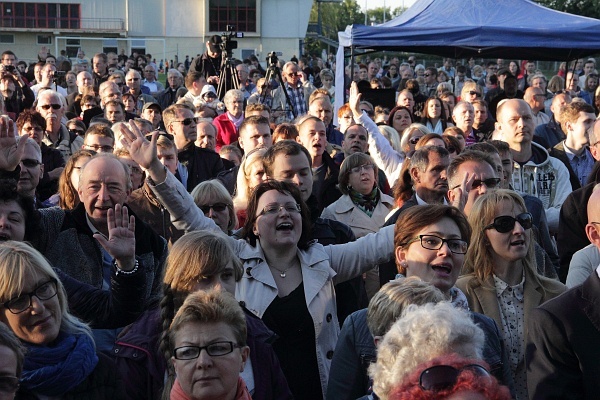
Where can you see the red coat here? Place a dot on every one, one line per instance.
(227, 131)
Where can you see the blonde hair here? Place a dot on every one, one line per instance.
(479, 258)
(211, 192)
(243, 190)
(19, 261)
(392, 136)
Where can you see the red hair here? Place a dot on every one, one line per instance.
(467, 381)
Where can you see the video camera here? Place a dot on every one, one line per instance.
(227, 45)
(272, 57)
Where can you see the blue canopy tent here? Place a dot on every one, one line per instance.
(512, 29)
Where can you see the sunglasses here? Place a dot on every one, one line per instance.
(427, 75)
(53, 106)
(415, 140)
(476, 94)
(440, 377)
(506, 223)
(188, 121)
(218, 207)
(490, 183)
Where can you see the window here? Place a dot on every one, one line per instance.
(239, 13)
(44, 39)
(7, 39)
(73, 46)
(109, 46)
(40, 15)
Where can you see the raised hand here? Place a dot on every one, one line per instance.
(11, 147)
(141, 150)
(120, 243)
(354, 100)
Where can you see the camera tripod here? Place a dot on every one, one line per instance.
(273, 71)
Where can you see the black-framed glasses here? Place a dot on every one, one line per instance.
(427, 75)
(218, 207)
(45, 291)
(30, 162)
(474, 93)
(414, 140)
(188, 121)
(440, 377)
(9, 384)
(364, 167)
(274, 208)
(216, 349)
(433, 242)
(53, 106)
(490, 183)
(506, 223)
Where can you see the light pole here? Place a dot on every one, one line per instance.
(384, 11)
(365, 12)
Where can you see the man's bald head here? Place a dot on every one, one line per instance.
(593, 214)
(594, 135)
(558, 102)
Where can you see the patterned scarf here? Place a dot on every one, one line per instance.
(365, 202)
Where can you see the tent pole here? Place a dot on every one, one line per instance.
(351, 66)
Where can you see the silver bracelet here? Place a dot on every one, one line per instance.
(119, 271)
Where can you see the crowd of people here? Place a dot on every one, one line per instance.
(157, 241)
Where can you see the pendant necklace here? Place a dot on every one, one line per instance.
(283, 273)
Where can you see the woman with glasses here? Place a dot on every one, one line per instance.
(207, 342)
(471, 91)
(501, 278)
(215, 202)
(363, 207)
(250, 174)
(61, 359)
(288, 280)
(411, 354)
(411, 136)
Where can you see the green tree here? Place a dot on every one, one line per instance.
(336, 16)
(586, 8)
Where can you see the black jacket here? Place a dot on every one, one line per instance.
(202, 164)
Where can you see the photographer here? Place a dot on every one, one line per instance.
(48, 81)
(209, 63)
(16, 94)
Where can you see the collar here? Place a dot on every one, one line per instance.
(598, 271)
(422, 202)
(502, 288)
(571, 154)
(92, 227)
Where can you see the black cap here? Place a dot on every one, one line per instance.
(503, 71)
(215, 40)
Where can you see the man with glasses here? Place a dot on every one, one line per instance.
(195, 163)
(57, 136)
(429, 88)
(150, 80)
(298, 89)
(470, 174)
(535, 97)
(133, 80)
(536, 172)
(99, 138)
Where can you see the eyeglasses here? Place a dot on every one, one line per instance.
(275, 208)
(474, 93)
(433, 242)
(415, 140)
(149, 71)
(45, 291)
(53, 106)
(218, 207)
(506, 223)
(9, 384)
(216, 349)
(489, 183)
(78, 132)
(97, 147)
(440, 377)
(30, 163)
(364, 167)
(427, 75)
(188, 121)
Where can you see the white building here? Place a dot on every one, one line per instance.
(163, 28)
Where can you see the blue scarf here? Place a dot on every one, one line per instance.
(55, 370)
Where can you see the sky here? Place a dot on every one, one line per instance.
(388, 3)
